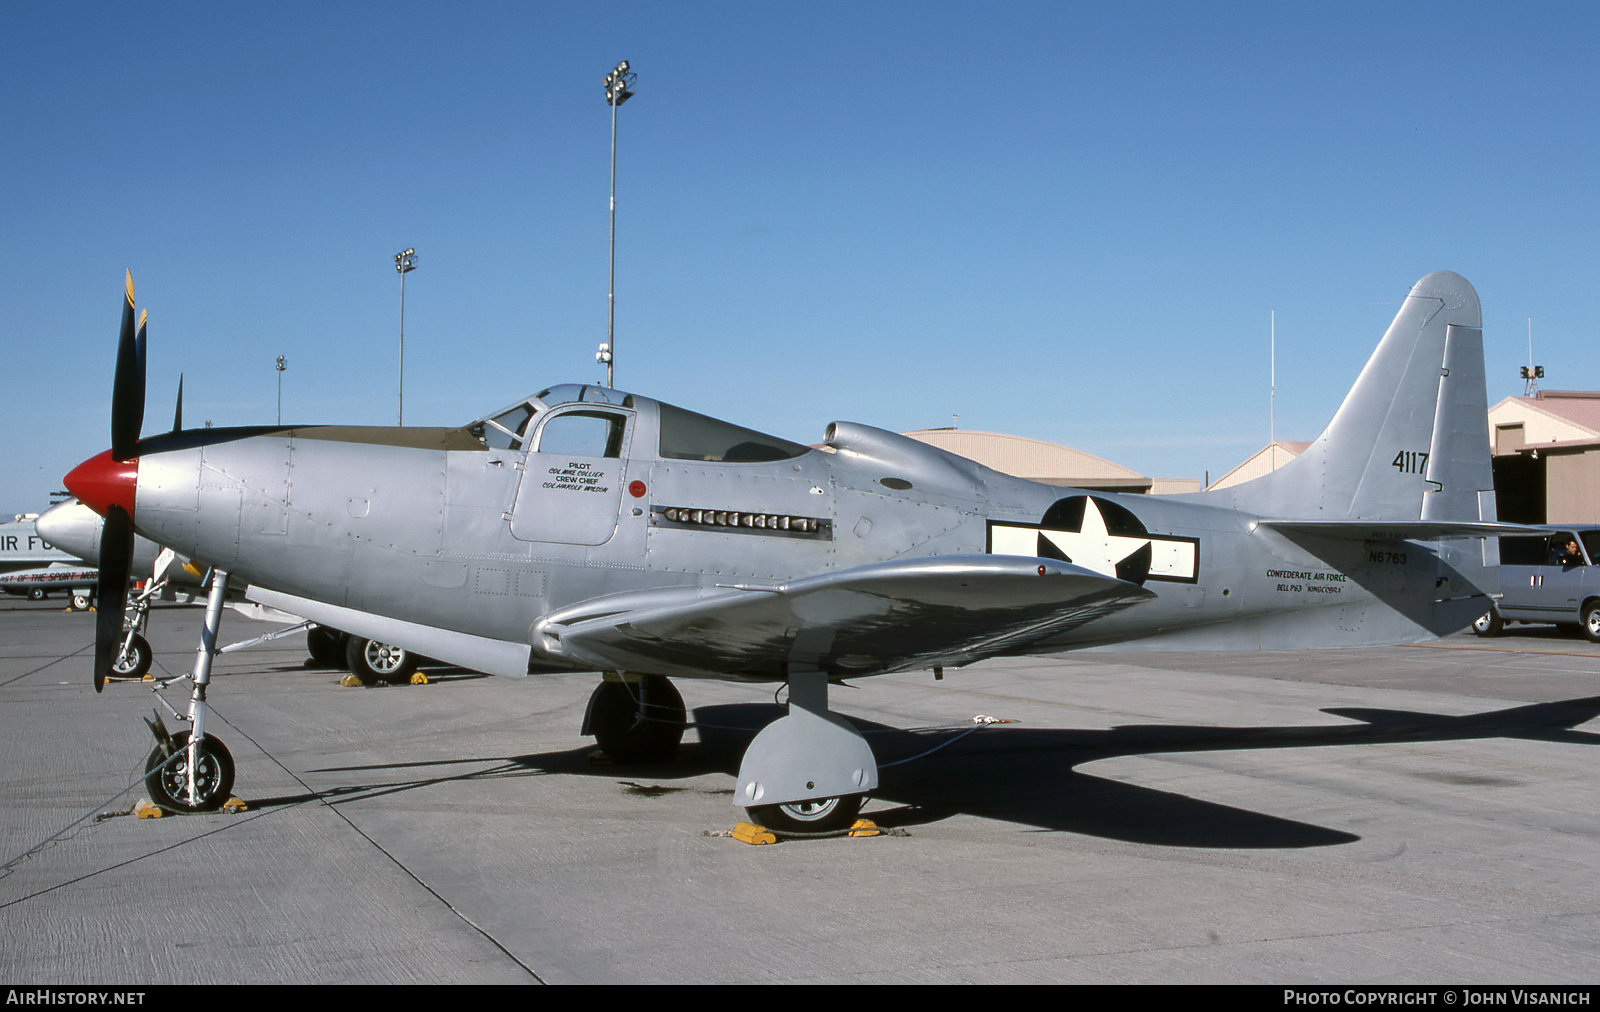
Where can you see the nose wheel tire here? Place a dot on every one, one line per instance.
(375, 662)
(168, 782)
(134, 661)
(1488, 624)
(820, 815)
(36, 594)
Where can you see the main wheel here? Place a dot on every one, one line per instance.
(168, 781)
(1591, 621)
(37, 594)
(821, 815)
(134, 660)
(374, 662)
(81, 600)
(637, 722)
(326, 646)
(1488, 624)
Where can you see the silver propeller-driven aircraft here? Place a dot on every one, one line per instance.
(586, 528)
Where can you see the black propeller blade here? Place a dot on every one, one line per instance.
(116, 537)
(177, 415)
(127, 386)
(116, 565)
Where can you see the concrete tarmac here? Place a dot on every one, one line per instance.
(1408, 815)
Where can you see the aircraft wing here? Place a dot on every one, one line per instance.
(1401, 530)
(480, 653)
(886, 616)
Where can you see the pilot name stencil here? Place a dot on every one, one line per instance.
(577, 477)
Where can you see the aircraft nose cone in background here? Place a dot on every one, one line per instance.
(102, 482)
(71, 527)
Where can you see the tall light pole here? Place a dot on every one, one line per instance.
(405, 262)
(619, 88)
(283, 364)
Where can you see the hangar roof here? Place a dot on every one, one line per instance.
(1035, 459)
(1265, 460)
(1550, 416)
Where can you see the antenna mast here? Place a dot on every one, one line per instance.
(1272, 397)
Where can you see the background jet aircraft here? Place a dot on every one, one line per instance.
(586, 528)
(75, 531)
(23, 547)
(33, 566)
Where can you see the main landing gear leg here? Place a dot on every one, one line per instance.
(810, 770)
(635, 718)
(202, 777)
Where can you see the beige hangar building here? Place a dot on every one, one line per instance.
(1546, 457)
(1050, 463)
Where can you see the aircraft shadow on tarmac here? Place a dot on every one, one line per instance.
(1030, 776)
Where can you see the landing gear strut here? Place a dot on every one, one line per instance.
(809, 771)
(191, 771)
(635, 718)
(134, 659)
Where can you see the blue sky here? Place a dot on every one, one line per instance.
(1066, 221)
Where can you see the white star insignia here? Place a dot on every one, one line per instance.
(1096, 549)
(1092, 546)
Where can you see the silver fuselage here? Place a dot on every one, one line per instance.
(436, 528)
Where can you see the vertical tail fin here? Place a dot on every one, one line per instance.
(1411, 440)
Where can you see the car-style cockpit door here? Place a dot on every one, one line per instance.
(571, 489)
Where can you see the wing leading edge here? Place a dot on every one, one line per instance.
(887, 616)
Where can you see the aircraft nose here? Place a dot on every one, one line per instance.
(102, 482)
(56, 523)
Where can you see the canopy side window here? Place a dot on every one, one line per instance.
(504, 431)
(571, 393)
(583, 434)
(688, 436)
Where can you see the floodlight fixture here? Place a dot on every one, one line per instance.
(283, 364)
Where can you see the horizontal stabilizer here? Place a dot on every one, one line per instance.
(897, 615)
(1401, 530)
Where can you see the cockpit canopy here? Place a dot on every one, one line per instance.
(682, 435)
(506, 430)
